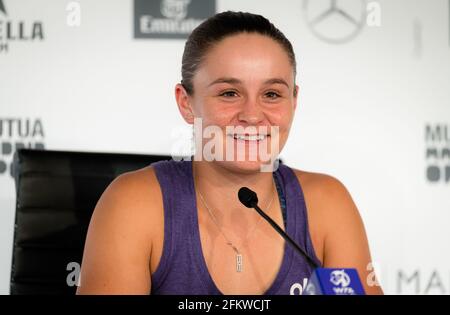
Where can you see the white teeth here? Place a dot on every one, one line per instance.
(250, 137)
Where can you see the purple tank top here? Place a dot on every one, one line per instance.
(182, 268)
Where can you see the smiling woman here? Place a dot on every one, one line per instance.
(179, 227)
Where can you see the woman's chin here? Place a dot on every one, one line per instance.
(244, 167)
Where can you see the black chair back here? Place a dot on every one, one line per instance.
(56, 192)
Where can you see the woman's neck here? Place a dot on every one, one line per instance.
(219, 187)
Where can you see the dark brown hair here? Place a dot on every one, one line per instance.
(216, 28)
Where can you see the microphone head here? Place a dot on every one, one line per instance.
(248, 197)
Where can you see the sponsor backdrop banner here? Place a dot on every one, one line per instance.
(374, 105)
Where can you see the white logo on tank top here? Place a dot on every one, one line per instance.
(297, 288)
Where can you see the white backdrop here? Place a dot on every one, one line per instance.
(364, 107)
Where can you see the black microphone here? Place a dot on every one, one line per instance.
(249, 199)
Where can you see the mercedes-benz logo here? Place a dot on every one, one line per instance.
(335, 21)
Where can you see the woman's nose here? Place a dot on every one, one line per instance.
(251, 113)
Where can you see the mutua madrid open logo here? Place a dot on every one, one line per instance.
(437, 142)
(12, 30)
(18, 133)
(170, 18)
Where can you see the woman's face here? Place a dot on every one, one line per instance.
(246, 81)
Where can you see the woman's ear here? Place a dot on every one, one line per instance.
(184, 105)
(296, 90)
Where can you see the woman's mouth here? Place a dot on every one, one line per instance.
(246, 137)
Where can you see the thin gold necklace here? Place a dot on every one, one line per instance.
(239, 258)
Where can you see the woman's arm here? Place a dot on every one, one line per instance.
(345, 239)
(338, 232)
(117, 251)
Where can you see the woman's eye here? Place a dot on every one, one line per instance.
(272, 95)
(229, 94)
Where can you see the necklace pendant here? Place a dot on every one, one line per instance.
(239, 263)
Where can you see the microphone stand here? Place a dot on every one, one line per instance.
(280, 231)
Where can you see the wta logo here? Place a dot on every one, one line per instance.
(341, 281)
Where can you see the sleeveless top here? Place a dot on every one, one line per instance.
(182, 268)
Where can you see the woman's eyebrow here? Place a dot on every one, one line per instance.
(231, 80)
(276, 81)
(225, 80)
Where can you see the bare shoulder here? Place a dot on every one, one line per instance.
(138, 187)
(327, 195)
(326, 200)
(329, 203)
(119, 242)
(336, 227)
(320, 183)
(135, 195)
